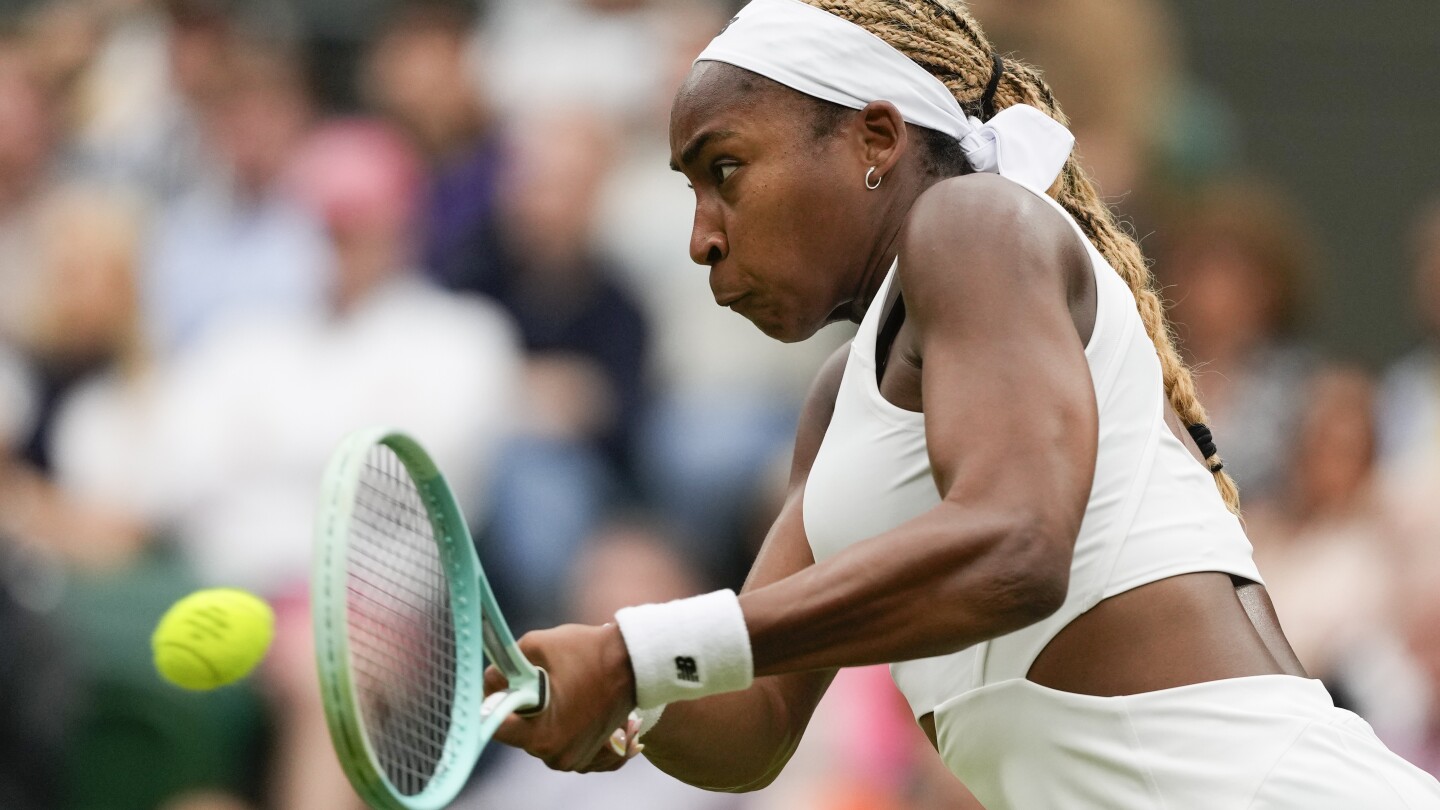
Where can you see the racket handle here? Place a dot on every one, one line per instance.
(542, 695)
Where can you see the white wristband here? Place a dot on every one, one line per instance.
(687, 649)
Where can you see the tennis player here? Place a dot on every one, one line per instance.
(1003, 487)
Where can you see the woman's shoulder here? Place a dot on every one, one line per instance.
(978, 188)
(989, 208)
(990, 224)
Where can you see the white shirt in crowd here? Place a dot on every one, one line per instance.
(227, 445)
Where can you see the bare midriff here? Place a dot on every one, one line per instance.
(1174, 632)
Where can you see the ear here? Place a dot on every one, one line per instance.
(882, 136)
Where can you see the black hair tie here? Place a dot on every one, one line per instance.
(1206, 442)
(987, 101)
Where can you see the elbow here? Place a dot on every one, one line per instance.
(759, 784)
(1032, 574)
(1041, 598)
(714, 782)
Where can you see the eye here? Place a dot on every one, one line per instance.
(724, 170)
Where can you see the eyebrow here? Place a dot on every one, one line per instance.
(698, 143)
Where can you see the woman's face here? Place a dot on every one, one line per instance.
(781, 216)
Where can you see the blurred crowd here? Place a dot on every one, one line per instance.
(231, 231)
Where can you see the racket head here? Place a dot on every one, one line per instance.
(403, 616)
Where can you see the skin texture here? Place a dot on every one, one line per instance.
(779, 234)
(997, 288)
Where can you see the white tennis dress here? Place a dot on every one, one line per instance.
(1154, 512)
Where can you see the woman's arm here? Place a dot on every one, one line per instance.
(730, 742)
(741, 740)
(1010, 421)
(987, 272)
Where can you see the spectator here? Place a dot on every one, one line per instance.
(532, 48)
(584, 334)
(1115, 63)
(86, 335)
(1326, 544)
(1410, 446)
(586, 343)
(132, 741)
(1410, 397)
(28, 132)
(1236, 266)
(630, 561)
(225, 444)
(419, 73)
(142, 90)
(238, 241)
(259, 403)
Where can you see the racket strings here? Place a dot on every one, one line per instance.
(402, 639)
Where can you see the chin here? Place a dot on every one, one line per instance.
(786, 332)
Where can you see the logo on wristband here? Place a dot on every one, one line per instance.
(686, 669)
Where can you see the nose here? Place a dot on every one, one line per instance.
(708, 244)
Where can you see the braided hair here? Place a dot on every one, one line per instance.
(942, 37)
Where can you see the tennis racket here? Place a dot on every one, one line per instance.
(404, 622)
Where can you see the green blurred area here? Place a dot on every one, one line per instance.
(135, 740)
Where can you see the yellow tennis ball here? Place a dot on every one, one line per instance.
(212, 637)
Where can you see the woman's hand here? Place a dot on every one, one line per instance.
(592, 691)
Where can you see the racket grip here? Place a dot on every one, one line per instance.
(542, 695)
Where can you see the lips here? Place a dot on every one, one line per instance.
(729, 300)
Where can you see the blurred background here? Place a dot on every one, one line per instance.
(232, 230)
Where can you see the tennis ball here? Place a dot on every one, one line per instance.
(212, 637)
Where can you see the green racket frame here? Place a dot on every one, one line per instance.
(480, 631)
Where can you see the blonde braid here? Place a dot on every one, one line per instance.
(942, 37)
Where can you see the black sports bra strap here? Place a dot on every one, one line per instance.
(886, 337)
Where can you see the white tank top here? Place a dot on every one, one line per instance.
(1154, 511)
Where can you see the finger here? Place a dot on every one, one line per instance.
(532, 646)
(625, 742)
(580, 755)
(515, 731)
(610, 764)
(633, 746)
(619, 742)
(604, 760)
(494, 680)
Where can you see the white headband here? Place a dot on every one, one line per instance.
(822, 55)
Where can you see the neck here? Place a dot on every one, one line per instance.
(893, 214)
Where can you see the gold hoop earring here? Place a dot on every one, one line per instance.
(878, 180)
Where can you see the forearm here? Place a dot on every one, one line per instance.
(941, 582)
(736, 741)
